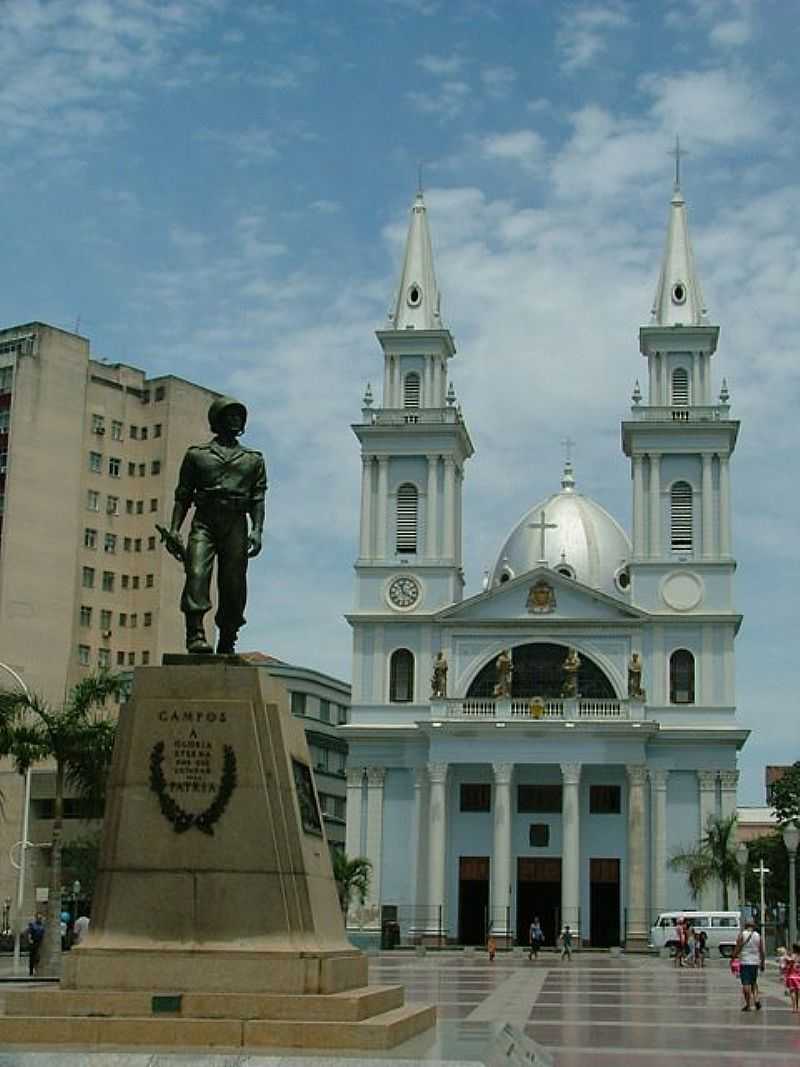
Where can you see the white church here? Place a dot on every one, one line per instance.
(541, 748)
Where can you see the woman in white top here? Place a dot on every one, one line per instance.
(749, 951)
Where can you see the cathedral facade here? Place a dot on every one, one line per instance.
(541, 748)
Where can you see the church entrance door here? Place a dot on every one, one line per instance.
(473, 899)
(538, 893)
(604, 902)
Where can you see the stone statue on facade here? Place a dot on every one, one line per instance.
(571, 666)
(439, 678)
(504, 669)
(635, 691)
(226, 483)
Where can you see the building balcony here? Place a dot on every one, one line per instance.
(577, 708)
(413, 416)
(695, 413)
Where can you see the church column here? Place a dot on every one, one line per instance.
(707, 532)
(501, 851)
(397, 392)
(418, 894)
(729, 781)
(639, 546)
(658, 799)
(431, 518)
(375, 779)
(437, 843)
(352, 846)
(655, 504)
(383, 506)
(707, 782)
(697, 392)
(448, 549)
(637, 926)
(652, 395)
(364, 550)
(724, 506)
(571, 849)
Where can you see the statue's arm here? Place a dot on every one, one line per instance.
(184, 493)
(257, 509)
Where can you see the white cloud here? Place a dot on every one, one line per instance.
(525, 147)
(498, 81)
(441, 66)
(252, 146)
(446, 101)
(729, 23)
(584, 33)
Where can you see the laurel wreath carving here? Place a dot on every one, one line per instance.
(181, 819)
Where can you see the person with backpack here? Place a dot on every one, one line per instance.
(565, 940)
(535, 938)
(35, 939)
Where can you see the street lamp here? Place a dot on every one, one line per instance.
(742, 859)
(26, 804)
(762, 871)
(791, 839)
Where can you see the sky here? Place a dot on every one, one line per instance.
(219, 189)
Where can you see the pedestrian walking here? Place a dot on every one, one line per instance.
(80, 929)
(491, 946)
(565, 940)
(791, 976)
(535, 938)
(749, 950)
(700, 939)
(35, 939)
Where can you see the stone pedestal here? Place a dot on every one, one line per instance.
(215, 885)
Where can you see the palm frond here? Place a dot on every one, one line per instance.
(88, 761)
(92, 692)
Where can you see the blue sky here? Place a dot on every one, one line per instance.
(219, 189)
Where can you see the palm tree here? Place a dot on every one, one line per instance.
(713, 858)
(352, 877)
(79, 737)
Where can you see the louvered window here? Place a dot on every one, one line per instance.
(407, 507)
(681, 677)
(680, 387)
(681, 517)
(411, 388)
(401, 677)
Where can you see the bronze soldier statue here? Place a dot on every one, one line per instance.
(226, 482)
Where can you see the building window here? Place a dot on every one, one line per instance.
(86, 616)
(5, 420)
(98, 424)
(476, 796)
(134, 584)
(110, 543)
(543, 799)
(157, 430)
(116, 430)
(160, 392)
(140, 507)
(112, 505)
(104, 658)
(605, 799)
(134, 621)
(125, 581)
(134, 433)
(131, 659)
(401, 677)
(108, 581)
(96, 462)
(341, 715)
(137, 544)
(129, 507)
(681, 525)
(155, 466)
(123, 618)
(89, 538)
(126, 544)
(131, 470)
(680, 387)
(105, 619)
(145, 658)
(407, 501)
(120, 659)
(298, 704)
(87, 577)
(149, 581)
(6, 377)
(84, 652)
(411, 389)
(325, 710)
(144, 433)
(92, 500)
(142, 470)
(681, 677)
(154, 503)
(151, 546)
(539, 835)
(114, 466)
(148, 618)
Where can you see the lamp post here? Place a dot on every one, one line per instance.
(742, 859)
(26, 804)
(791, 839)
(762, 871)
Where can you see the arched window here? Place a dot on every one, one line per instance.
(411, 387)
(407, 509)
(680, 517)
(680, 387)
(681, 677)
(401, 677)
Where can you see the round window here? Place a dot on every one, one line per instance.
(623, 579)
(679, 293)
(414, 296)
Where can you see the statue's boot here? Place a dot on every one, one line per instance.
(226, 642)
(196, 642)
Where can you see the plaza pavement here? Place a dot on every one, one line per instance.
(597, 1011)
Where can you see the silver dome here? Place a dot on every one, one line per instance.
(580, 538)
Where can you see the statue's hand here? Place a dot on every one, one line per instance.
(253, 544)
(173, 542)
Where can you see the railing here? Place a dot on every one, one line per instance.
(694, 413)
(412, 416)
(487, 708)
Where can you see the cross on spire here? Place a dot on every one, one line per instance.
(542, 526)
(677, 152)
(567, 444)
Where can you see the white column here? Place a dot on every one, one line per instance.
(639, 543)
(458, 515)
(729, 782)
(636, 903)
(352, 839)
(397, 398)
(501, 850)
(448, 549)
(655, 504)
(724, 506)
(707, 782)
(571, 849)
(658, 800)
(387, 381)
(442, 376)
(374, 840)
(426, 400)
(697, 392)
(366, 507)
(707, 532)
(382, 505)
(660, 375)
(418, 894)
(652, 395)
(431, 520)
(437, 844)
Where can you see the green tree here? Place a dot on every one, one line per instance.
(352, 878)
(79, 859)
(713, 858)
(78, 736)
(784, 795)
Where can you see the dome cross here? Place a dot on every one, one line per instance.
(542, 526)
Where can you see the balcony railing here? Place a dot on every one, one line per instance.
(412, 416)
(695, 413)
(487, 708)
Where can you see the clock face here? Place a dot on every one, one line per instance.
(403, 592)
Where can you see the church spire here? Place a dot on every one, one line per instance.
(417, 303)
(679, 298)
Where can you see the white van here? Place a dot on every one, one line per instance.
(721, 929)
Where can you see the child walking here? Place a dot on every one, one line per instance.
(791, 976)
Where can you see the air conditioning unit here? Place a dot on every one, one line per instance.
(100, 431)
(106, 634)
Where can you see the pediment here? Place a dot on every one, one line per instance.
(526, 597)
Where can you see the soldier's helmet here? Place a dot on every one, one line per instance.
(221, 404)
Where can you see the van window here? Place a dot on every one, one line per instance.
(666, 921)
(726, 922)
(700, 921)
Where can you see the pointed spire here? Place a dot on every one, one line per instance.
(417, 304)
(679, 298)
